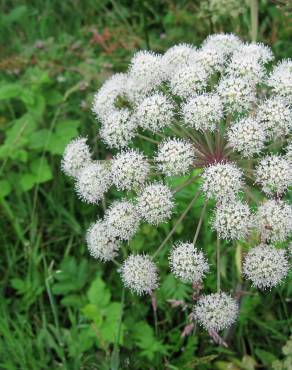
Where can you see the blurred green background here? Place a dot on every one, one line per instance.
(59, 308)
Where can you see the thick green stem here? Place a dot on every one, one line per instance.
(183, 215)
(200, 223)
(254, 9)
(218, 264)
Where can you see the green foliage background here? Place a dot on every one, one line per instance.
(60, 309)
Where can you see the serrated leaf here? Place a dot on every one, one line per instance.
(5, 188)
(98, 294)
(41, 169)
(9, 91)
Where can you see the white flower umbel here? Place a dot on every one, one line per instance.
(288, 151)
(212, 59)
(247, 136)
(188, 263)
(222, 180)
(139, 274)
(100, 242)
(175, 58)
(232, 220)
(246, 67)
(274, 220)
(274, 174)
(155, 112)
(129, 170)
(76, 156)
(92, 182)
(276, 116)
(265, 266)
(203, 112)
(146, 71)
(216, 311)
(155, 203)
(188, 80)
(225, 42)
(280, 79)
(237, 94)
(105, 99)
(259, 52)
(175, 157)
(122, 219)
(118, 129)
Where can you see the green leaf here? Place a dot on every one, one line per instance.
(64, 132)
(5, 188)
(98, 294)
(27, 181)
(39, 139)
(10, 91)
(71, 277)
(93, 313)
(266, 358)
(41, 169)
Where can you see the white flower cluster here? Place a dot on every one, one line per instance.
(216, 311)
(139, 273)
(232, 220)
(188, 263)
(274, 174)
(265, 266)
(175, 157)
(222, 180)
(247, 136)
(215, 115)
(203, 112)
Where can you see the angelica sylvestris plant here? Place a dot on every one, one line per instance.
(220, 114)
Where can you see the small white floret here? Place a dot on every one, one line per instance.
(175, 157)
(101, 244)
(139, 273)
(76, 156)
(188, 263)
(155, 203)
(265, 266)
(216, 311)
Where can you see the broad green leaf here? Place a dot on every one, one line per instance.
(11, 90)
(39, 139)
(5, 188)
(98, 294)
(93, 313)
(41, 169)
(27, 181)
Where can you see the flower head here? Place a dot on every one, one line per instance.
(155, 203)
(175, 157)
(222, 180)
(139, 274)
(92, 182)
(216, 311)
(247, 136)
(246, 67)
(257, 51)
(203, 112)
(211, 58)
(105, 99)
(280, 79)
(188, 263)
(276, 116)
(232, 220)
(237, 94)
(155, 112)
(176, 57)
(118, 129)
(76, 156)
(188, 80)
(129, 170)
(225, 42)
(265, 266)
(146, 71)
(274, 220)
(274, 174)
(122, 219)
(100, 242)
